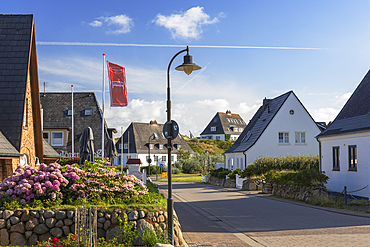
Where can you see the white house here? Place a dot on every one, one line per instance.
(223, 124)
(281, 126)
(141, 138)
(345, 144)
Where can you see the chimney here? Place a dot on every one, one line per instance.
(154, 122)
(228, 112)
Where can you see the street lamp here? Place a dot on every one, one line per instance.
(188, 66)
(154, 135)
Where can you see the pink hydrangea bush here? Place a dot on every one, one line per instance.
(69, 183)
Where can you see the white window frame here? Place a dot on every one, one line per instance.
(52, 138)
(285, 138)
(160, 146)
(298, 138)
(213, 128)
(125, 146)
(151, 145)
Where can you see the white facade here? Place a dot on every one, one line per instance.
(352, 179)
(292, 119)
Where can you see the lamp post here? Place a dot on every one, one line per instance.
(154, 135)
(188, 66)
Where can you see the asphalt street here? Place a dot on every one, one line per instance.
(212, 215)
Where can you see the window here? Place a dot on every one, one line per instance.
(25, 115)
(352, 155)
(213, 128)
(125, 146)
(300, 138)
(240, 129)
(46, 137)
(155, 158)
(160, 146)
(283, 138)
(151, 145)
(69, 112)
(235, 129)
(164, 158)
(172, 158)
(57, 138)
(336, 166)
(88, 112)
(217, 137)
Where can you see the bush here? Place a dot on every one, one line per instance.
(249, 171)
(220, 173)
(232, 175)
(53, 184)
(307, 177)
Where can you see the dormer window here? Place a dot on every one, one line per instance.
(87, 112)
(160, 146)
(151, 145)
(68, 113)
(213, 128)
(178, 146)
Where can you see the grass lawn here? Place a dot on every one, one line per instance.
(183, 179)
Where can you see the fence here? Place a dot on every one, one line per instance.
(86, 227)
(347, 194)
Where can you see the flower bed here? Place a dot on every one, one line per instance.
(54, 184)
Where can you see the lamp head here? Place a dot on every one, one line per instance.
(188, 66)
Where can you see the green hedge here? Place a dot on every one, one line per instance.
(264, 164)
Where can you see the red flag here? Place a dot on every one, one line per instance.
(117, 85)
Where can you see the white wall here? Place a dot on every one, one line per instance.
(300, 121)
(354, 180)
(234, 161)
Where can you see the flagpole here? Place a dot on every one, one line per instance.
(122, 149)
(102, 124)
(73, 135)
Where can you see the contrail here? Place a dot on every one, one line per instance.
(192, 78)
(197, 46)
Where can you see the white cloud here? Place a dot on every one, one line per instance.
(121, 23)
(96, 23)
(186, 25)
(325, 114)
(342, 99)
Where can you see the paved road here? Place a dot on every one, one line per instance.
(227, 217)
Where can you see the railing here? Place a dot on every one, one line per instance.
(346, 194)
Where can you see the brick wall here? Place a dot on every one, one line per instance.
(28, 136)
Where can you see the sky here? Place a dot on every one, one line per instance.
(248, 50)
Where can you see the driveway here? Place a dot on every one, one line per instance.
(227, 217)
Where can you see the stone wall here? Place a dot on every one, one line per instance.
(303, 193)
(26, 227)
(228, 183)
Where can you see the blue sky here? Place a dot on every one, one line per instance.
(248, 50)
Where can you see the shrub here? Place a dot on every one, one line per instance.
(54, 184)
(232, 175)
(220, 173)
(307, 177)
(249, 171)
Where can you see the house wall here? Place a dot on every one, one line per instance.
(354, 180)
(234, 161)
(143, 158)
(28, 135)
(300, 121)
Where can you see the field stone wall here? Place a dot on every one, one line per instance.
(303, 193)
(26, 227)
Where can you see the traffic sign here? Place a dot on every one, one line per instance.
(161, 165)
(174, 130)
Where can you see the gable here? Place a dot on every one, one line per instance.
(258, 124)
(225, 123)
